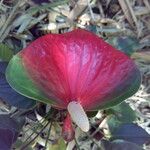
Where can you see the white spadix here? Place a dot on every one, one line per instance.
(78, 115)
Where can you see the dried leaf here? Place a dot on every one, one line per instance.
(78, 9)
(128, 12)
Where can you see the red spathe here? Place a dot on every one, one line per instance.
(77, 66)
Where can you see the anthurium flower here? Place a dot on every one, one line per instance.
(76, 71)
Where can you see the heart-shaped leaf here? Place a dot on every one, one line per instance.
(120, 145)
(6, 139)
(9, 95)
(9, 130)
(132, 133)
(125, 43)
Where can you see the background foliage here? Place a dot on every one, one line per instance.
(25, 124)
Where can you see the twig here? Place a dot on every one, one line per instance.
(1, 2)
(91, 12)
(147, 4)
(32, 133)
(49, 130)
(100, 9)
(45, 117)
(91, 138)
(8, 21)
(77, 145)
(129, 14)
(23, 147)
(80, 6)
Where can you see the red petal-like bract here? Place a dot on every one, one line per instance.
(79, 66)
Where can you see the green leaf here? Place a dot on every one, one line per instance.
(35, 9)
(113, 124)
(120, 114)
(120, 145)
(5, 52)
(13, 124)
(125, 43)
(60, 145)
(132, 133)
(123, 113)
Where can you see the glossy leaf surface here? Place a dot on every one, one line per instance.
(9, 95)
(75, 66)
(123, 113)
(132, 133)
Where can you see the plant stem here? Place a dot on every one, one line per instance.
(91, 138)
(23, 147)
(49, 130)
(77, 145)
(47, 116)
